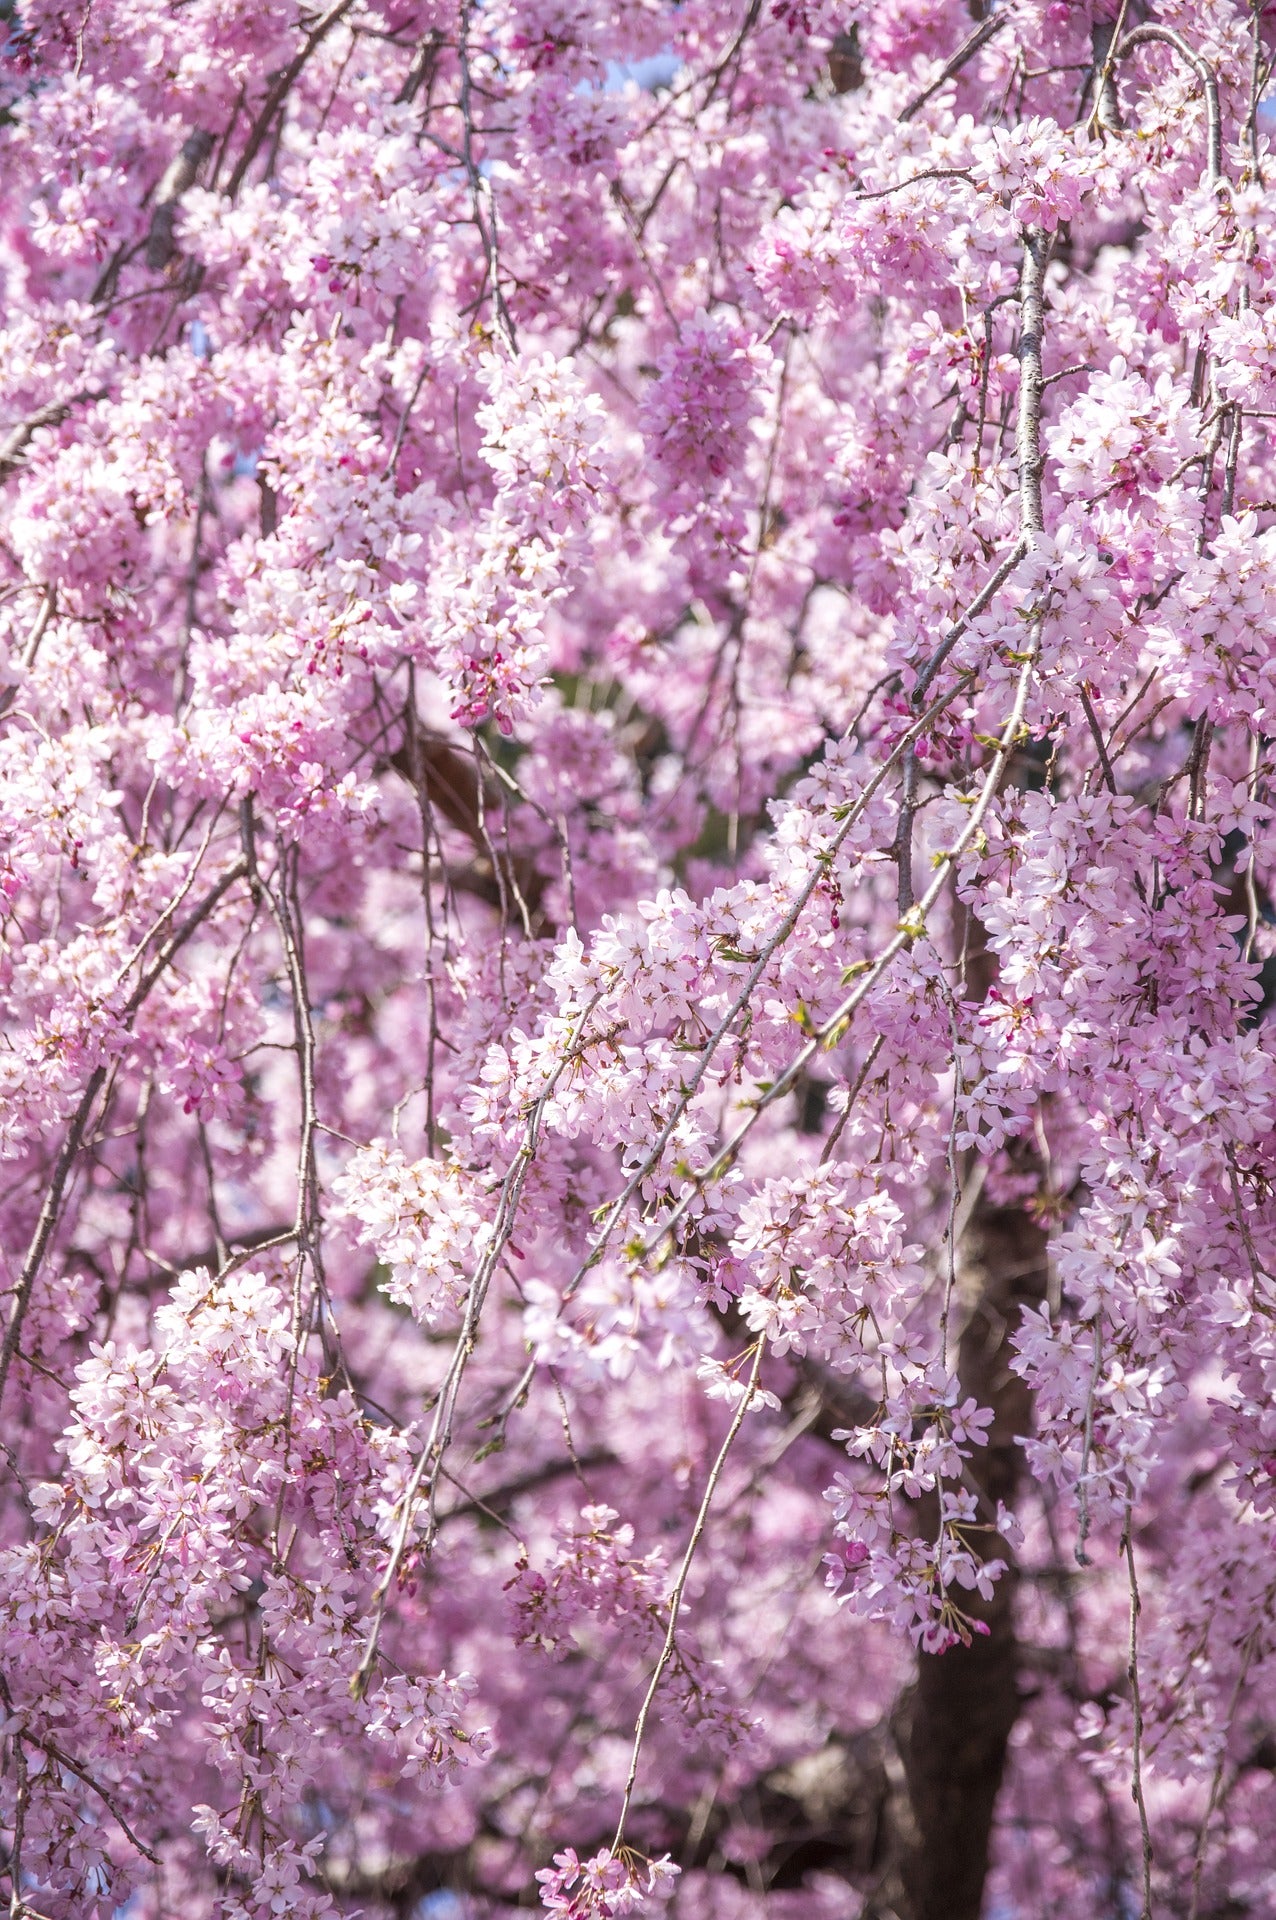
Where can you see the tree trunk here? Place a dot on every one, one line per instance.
(905, 1810)
(952, 1726)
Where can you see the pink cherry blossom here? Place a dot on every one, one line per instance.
(638, 1235)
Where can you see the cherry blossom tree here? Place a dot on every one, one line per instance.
(639, 1190)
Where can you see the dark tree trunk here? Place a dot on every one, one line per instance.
(905, 1811)
(952, 1726)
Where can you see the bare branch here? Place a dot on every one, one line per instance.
(279, 92)
(19, 437)
(970, 46)
(181, 174)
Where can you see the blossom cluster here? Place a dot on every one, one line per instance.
(637, 949)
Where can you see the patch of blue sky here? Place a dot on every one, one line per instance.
(443, 1905)
(657, 70)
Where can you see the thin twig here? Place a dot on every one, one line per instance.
(680, 1586)
(481, 188)
(425, 1473)
(914, 179)
(1096, 734)
(19, 437)
(51, 1210)
(1080, 1553)
(1216, 1781)
(1165, 36)
(278, 93)
(970, 46)
(961, 625)
(1136, 1701)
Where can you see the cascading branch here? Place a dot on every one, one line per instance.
(638, 1238)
